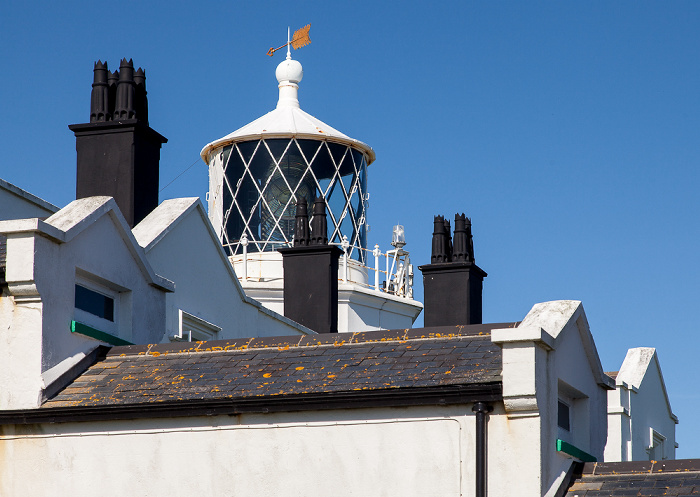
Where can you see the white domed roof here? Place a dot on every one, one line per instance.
(288, 120)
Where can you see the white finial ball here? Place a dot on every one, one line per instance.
(289, 70)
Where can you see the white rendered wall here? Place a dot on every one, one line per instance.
(215, 198)
(552, 355)
(20, 352)
(419, 451)
(619, 443)
(649, 410)
(40, 304)
(187, 251)
(100, 251)
(51, 267)
(363, 309)
(408, 452)
(637, 405)
(514, 455)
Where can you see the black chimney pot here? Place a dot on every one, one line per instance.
(319, 224)
(301, 225)
(448, 241)
(140, 100)
(439, 251)
(311, 273)
(452, 283)
(460, 252)
(118, 153)
(99, 99)
(124, 107)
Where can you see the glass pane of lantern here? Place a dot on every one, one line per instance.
(324, 185)
(348, 181)
(277, 213)
(246, 149)
(246, 198)
(355, 203)
(336, 200)
(322, 165)
(309, 148)
(346, 228)
(338, 152)
(277, 147)
(345, 166)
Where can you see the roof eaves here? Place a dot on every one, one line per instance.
(32, 225)
(6, 185)
(396, 397)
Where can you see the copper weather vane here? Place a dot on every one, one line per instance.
(300, 39)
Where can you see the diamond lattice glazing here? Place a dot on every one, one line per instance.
(263, 179)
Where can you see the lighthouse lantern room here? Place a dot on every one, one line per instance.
(257, 176)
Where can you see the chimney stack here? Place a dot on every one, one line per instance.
(311, 272)
(118, 153)
(452, 282)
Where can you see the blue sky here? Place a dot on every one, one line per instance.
(568, 131)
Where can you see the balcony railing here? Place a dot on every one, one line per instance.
(392, 272)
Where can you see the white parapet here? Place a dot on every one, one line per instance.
(360, 306)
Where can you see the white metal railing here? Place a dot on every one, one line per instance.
(244, 241)
(395, 279)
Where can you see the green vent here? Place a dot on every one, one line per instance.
(569, 449)
(89, 331)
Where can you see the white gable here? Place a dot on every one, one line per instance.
(642, 425)
(16, 203)
(86, 244)
(180, 243)
(551, 358)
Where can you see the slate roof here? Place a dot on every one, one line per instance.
(455, 362)
(638, 478)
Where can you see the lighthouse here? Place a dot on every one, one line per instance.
(259, 174)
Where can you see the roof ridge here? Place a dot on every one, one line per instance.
(621, 468)
(293, 341)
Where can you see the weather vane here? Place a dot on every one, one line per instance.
(300, 39)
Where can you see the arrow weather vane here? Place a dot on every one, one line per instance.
(300, 39)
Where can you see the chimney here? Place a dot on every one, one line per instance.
(452, 282)
(118, 153)
(311, 272)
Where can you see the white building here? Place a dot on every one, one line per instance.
(641, 424)
(265, 406)
(80, 279)
(376, 413)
